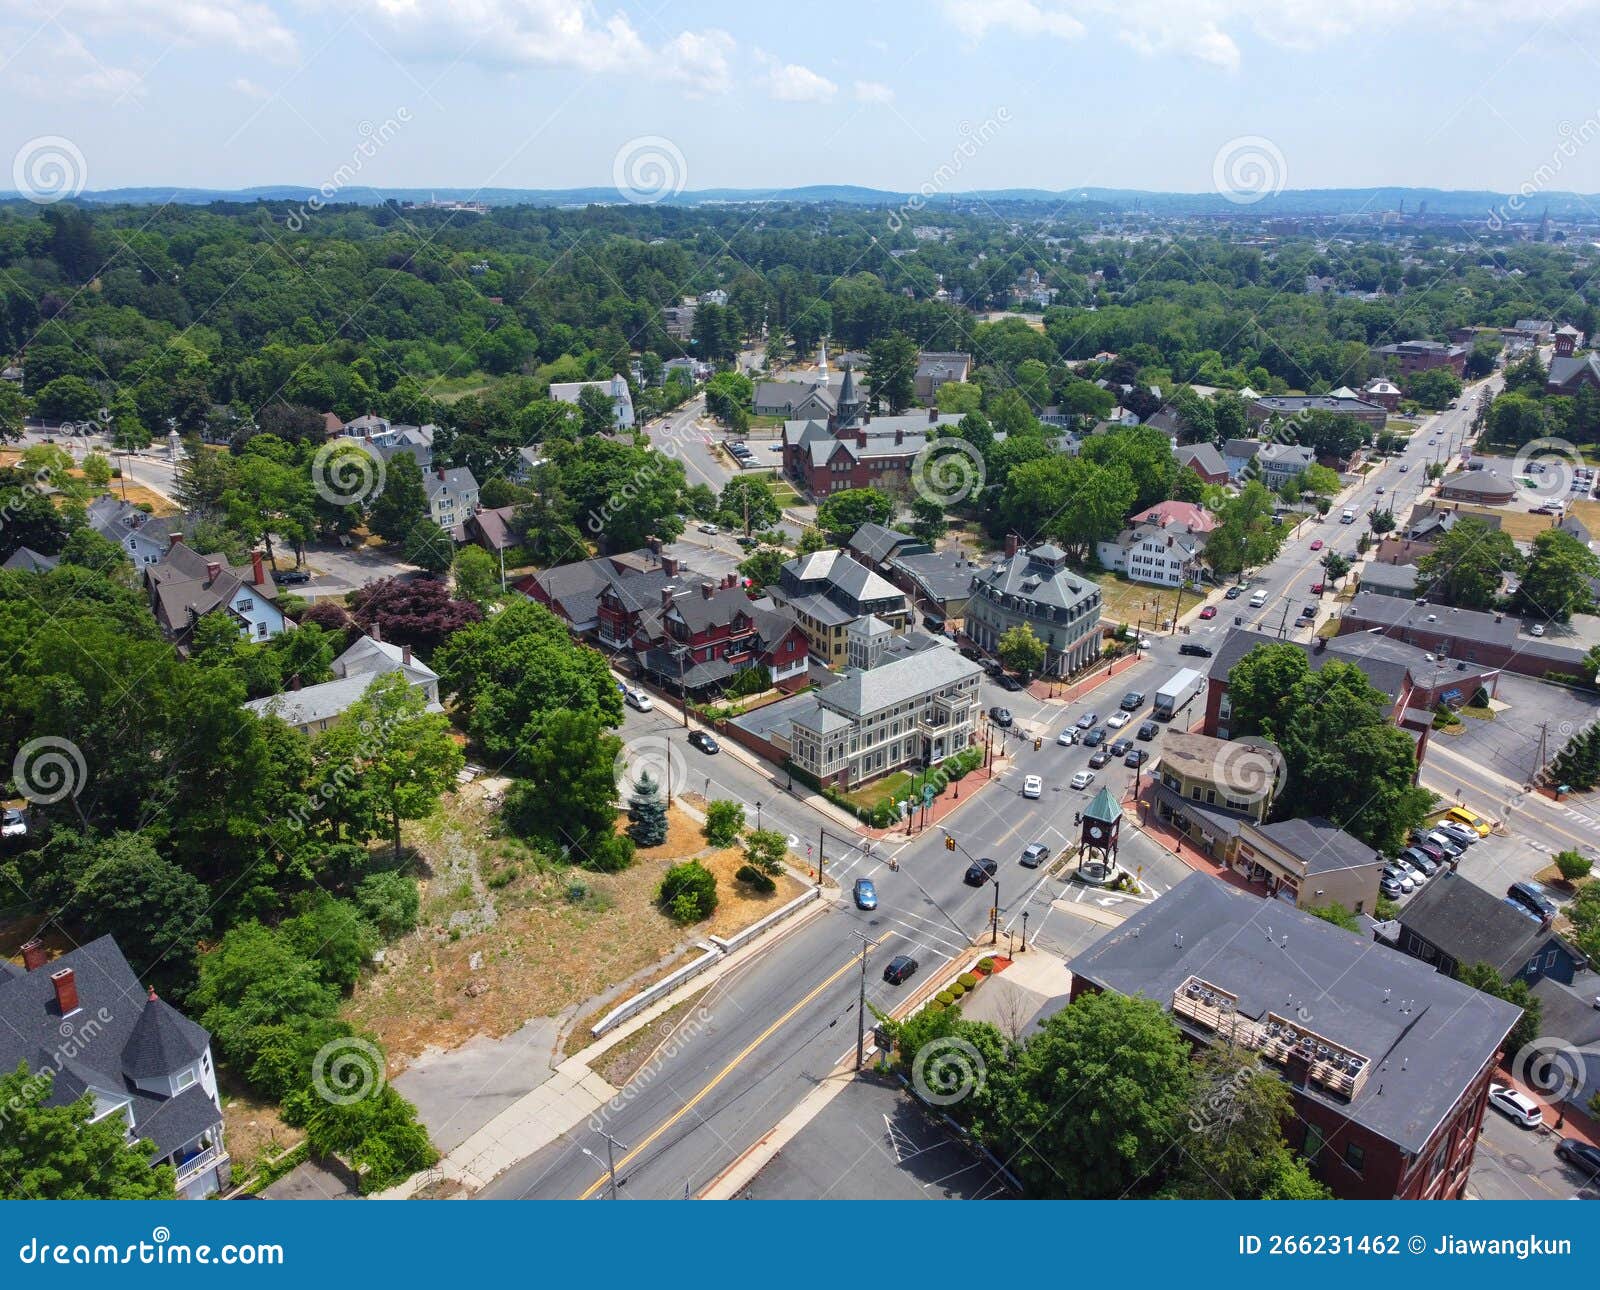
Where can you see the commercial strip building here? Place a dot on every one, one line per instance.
(1388, 1061)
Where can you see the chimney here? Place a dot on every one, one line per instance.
(667, 594)
(669, 565)
(861, 438)
(405, 655)
(933, 415)
(66, 991)
(729, 581)
(899, 437)
(294, 681)
(153, 995)
(258, 572)
(1011, 544)
(440, 472)
(654, 543)
(377, 631)
(173, 539)
(34, 955)
(707, 590)
(213, 570)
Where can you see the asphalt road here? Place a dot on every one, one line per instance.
(1514, 1163)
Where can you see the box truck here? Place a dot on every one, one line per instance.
(1176, 692)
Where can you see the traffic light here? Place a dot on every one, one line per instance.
(949, 843)
(1038, 744)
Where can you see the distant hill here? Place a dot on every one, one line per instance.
(1291, 202)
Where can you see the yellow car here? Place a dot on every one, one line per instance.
(1473, 821)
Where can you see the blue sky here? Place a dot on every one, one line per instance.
(884, 93)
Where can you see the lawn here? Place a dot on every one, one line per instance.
(1128, 602)
(1518, 525)
(880, 790)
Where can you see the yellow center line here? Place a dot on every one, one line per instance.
(853, 962)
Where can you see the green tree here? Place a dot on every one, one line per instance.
(477, 576)
(1021, 651)
(1483, 976)
(1246, 536)
(1465, 566)
(1555, 583)
(724, 822)
(569, 793)
(763, 566)
(428, 547)
(389, 901)
(1573, 865)
(1099, 1095)
(66, 1153)
(13, 412)
(892, 371)
(647, 813)
(840, 514)
(402, 502)
(928, 522)
(766, 849)
(96, 471)
(727, 394)
(747, 502)
(688, 892)
(956, 398)
(1433, 389)
(1577, 765)
(1335, 565)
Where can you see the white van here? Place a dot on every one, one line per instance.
(1348, 516)
(637, 699)
(1257, 600)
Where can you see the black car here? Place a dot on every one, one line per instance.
(1149, 731)
(1135, 758)
(291, 577)
(1308, 611)
(980, 871)
(900, 969)
(1232, 593)
(1001, 717)
(1132, 701)
(993, 668)
(971, 652)
(1198, 651)
(704, 742)
(1121, 746)
(1008, 682)
(1531, 895)
(1575, 1151)
(1095, 737)
(1100, 758)
(745, 540)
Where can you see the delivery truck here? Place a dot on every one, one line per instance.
(1176, 692)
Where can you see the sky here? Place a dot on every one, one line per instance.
(942, 95)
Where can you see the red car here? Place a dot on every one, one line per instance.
(1210, 611)
(1317, 545)
(1316, 588)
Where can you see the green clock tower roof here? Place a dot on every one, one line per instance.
(1104, 808)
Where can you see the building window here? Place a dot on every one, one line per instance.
(1355, 1156)
(1313, 1144)
(185, 1078)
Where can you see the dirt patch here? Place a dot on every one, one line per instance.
(621, 1062)
(560, 935)
(252, 1129)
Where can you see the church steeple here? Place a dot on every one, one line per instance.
(849, 404)
(822, 366)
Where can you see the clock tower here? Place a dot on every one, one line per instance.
(1101, 825)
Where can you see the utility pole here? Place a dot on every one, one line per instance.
(861, 1001)
(1283, 625)
(1544, 737)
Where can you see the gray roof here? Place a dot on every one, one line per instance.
(460, 479)
(1322, 844)
(1563, 370)
(1204, 457)
(1292, 403)
(1427, 1035)
(876, 542)
(941, 576)
(859, 693)
(1472, 925)
(1468, 624)
(834, 571)
(27, 560)
(1040, 577)
(1402, 577)
(1485, 482)
(163, 1040)
(1241, 447)
(1287, 454)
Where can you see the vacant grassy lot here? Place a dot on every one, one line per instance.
(1128, 602)
(545, 937)
(1518, 524)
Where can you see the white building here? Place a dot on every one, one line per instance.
(616, 387)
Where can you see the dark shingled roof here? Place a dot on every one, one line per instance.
(1472, 925)
(1321, 843)
(163, 1040)
(1428, 1035)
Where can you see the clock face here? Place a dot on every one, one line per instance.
(1095, 831)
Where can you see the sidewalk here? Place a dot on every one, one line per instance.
(1140, 815)
(1053, 692)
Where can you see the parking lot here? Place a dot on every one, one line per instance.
(1508, 745)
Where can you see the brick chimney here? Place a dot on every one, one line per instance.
(667, 593)
(933, 415)
(376, 632)
(899, 437)
(173, 539)
(730, 580)
(34, 955)
(258, 571)
(66, 984)
(669, 565)
(405, 655)
(213, 570)
(707, 590)
(440, 472)
(294, 681)
(1011, 545)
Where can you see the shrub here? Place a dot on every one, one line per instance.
(766, 849)
(389, 901)
(1573, 865)
(967, 980)
(755, 879)
(956, 989)
(986, 965)
(724, 823)
(945, 997)
(688, 892)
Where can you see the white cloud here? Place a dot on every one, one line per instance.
(54, 64)
(244, 85)
(792, 83)
(873, 92)
(549, 33)
(248, 26)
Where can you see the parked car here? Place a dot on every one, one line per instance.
(705, 742)
(745, 540)
(1397, 873)
(980, 871)
(1436, 854)
(1120, 746)
(1575, 1151)
(1087, 720)
(1515, 1105)
(1034, 855)
(1309, 611)
(1210, 611)
(1148, 731)
(1421, 861)
(1132, 701)
(900, 969)
(1537, 629)
(291, 578)
(1456, 831)
(1032, 786)
(637, 699)
(1083, 779)
(866, 895)
(1232, 593)
(13, 823)
(1317, 545)
(708, 528)
(1117, 720)
(1197, 651)
(1410, 870)
(1391, 887)
(1473, 821)
(1100, 758)
(1451, 848)
(1000, 716)
(1135, 757)
(1008, 682)
(1534, 897)
(1095, 737)
(1068, 737)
